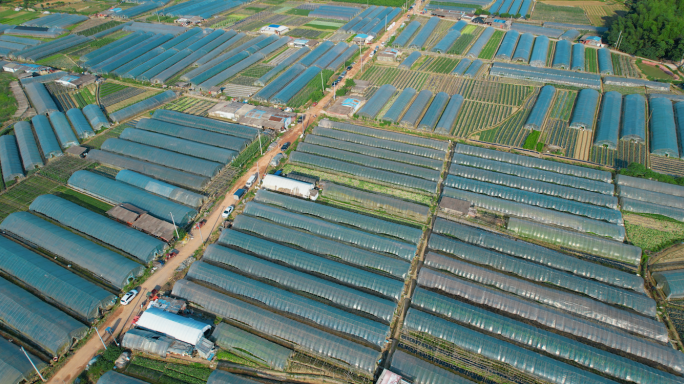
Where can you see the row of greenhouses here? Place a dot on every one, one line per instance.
(653, 197)
(666, 127)
(372, 23)
(546, 75)
(440, 146)
(35, 53)
(205, 9)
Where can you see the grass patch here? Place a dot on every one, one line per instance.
(573, 15)
(298, 12)
(8, 104)
(313, 91)
(653, 73)
(85, 201)
(460, 5)
(531, 140)
(651, 233)
(639, 170)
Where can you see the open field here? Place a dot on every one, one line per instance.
(652, 72)
(492, 45)
(650, 233)
(8, 104)
(560, 14)
(598, 12)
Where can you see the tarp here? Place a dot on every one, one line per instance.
(182, 328)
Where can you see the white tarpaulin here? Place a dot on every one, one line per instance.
(289, 186)
(176, 326)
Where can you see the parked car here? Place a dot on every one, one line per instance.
(128, 297)
(228, 211)
(300, 119)
(201, 223)
(335, 83)
(239, 193)
(349, 68)
(285, 146)
(252, 179)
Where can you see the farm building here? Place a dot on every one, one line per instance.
(592, 40)
(389, 55)
(181, 328)
(274, 29)
(76, 81)
(287, 185)
(362, 39)
(25, 67)
(345, 106)
(253, 116)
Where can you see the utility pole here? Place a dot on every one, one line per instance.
(322, 84)
(33, 365)
(260, 150)
(102, 341)
(617, 44)
(174, 225)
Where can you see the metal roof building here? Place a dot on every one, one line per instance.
(180, 328)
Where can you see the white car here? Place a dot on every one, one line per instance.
(228, 211)
(128, 297)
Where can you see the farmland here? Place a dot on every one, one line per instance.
(562, 106)
(550, 53)
(598, 12)
(305, 33)
(439, 65)
(623, 66)
(8, 104)
(560, 14)
(492, 45)
(399, 78)
(590, 62)
(468, 35)
(511, 131)
(492, 92)
(111, 94)
(189, 105)
(650, 233)
(312, 91)
(476, 116)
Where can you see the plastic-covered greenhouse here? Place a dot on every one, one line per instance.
(631, 82)
(161, 188)
(568, 349)
(291, 89)
(62, 286)
(223, 60)
(263, 80)
(187, 147)
(316, 53)
(608, 127)
(440, 145)
(377, 101)
(287, 302)
(280, 82)
(10, 162)
(135, 243)
(415, 111)
(421, 38)
(103, 263)
(671, 283)
(679, 114)
(461, 67)
(40, 98)
(154, 343)
(433, 113)
(605, 62)
(650, 196)
(220, 377)
(578, 56)
(584, 112)
(546, 75)
(446, 122)
(541, 108)
(570, 35)
(533, 162)
(81, 125)
(663, 132)
(406, 34)
(479, 44)
(631, 205)
(561, 57)
(409, 60)
(524, 47)
(238, 342)
(63, 129)
(649, 185)
(198, 135)
(400, 104)
(342, 58)
(183, 179)
(473, 68)
(505, 51)
(117, 193)
(113, 377)
(539, 51)
(14, 367)
(46, 326)
(447, 41)
(367, 200)
(421, 372)
(30, 155)
(46, 137)
(142, 106)
(95, 116)
(331, 248)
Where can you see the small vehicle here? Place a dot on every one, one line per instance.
(315, 104)
(92, 361)
(152, 293)
(349, 68)
(278, 172)
(239, 193)
(300, 119)
(285, 146)
(252, 179)
(228, 211)
(335, 82)
(128, 297)
(372, 54)
(343, 74)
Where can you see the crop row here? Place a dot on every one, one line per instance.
(442, 65)
(492, 45)
(99, 28)
(590, 63)
(61, 95)
(511, 131)
(109, 88)
(559, 134)
(550, 53)
(461, 44)
(116, 97)
(494, 92)
(603, 156)
(476, 116)
(623, 66)
(562, 106)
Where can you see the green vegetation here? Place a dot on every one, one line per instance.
(161, 19)
(313, 91)
(531, 140)
(249, 154)
(84, 97)
(652, 232)
(104, 364)
(85, 201)
(652, 29)
(16, 18)
(573, 15)
(447, 4)
(109, 88)
(386, 3)
(653, 73)
(442, 65)
(348, 85)
(639, 170)
(590, 62)
(8, 105)
(99, 28)
(490, 48)
(323, 25)
(298, 12)
(160, 372)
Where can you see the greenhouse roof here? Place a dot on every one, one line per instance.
(179, 327)
(663, 130)
(238, 341)
(671, 282)
(545, 75)
(421, 372)
(221, 377)
(161, 188)
(537, 116)
(14, 367)
(9, 158)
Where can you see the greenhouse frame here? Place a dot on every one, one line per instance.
(421, 372)
(505, 51)
(651, 196)
(679, 115)
(473, 68)
(605, 61)
(537, 116)
(10, 162)
(446, 122)
(447, 41)
(631, 205)
(671, 283)
(649, 185)
(291, 89)
(142, 106)
(539, 51)
(546, 75)
(30, 155)
(186, 147)
(95, 116)
(634, 119)
(421, 38)
(374, 105)
(433, 113)
(206, 124)
(524, 48)
(400, 104)
(40, 98)
(663, 132)
(46, 137)
(161, 188)
(263, 80)
(461, 67)
(406, 34)
(562, 55)
(608, 127)
(413, 140)
(265, 93)
(62, 128)
(197, 135)
(584, 113)
(415, 111)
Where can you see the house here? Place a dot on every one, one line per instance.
(447, 14)
(388, 55)
(22, 67)
(345, 106)
(362, 39)
(498, 23)
(591, 40)
(185, 21)
(299, 43)
(252, 115)
(274, 29)
(76, 81)
(141, 220)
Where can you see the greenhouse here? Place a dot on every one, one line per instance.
(570, 35)
(415, 111)
(562, 54)
(631, 205)
(421, 372)
(299, 281)
(337, 215)
(545, 75)
(46, 49)
(80, 124)
(138, 339)
(542, 215)
(14, 366)
(605, 61)
(406, 34)
(505, 51)
(533, 162)
(143, 247)
(410, 60)
(46, 137)
(147, 104)
(197, 135)
(40, 98)
(546, 256)
(433, 113)
(356, 28)
(537, 30)
(623, 253)
(61, 286)
(334, 231)
(291, 89)
(10, 162)
(279, 83)
(663, 139)
(384, 140)
(479, 44)
(304, 336)
(650, 196)
(118, 193)
(263, 80)
(578, 57)
(539, 51)
(187, 147)
(100, 55)
(95, 116)
(44, 325)
(223, 59)
(30, 155)
(237, 341)
(634, 119)
(524, 47)
(400, 104)
(113, 377)
(649, 185)
(671, 283)
(342, 59)
(377, 101)
(330, 248)
(461, 67)
(329, 56)
(473, 69)
(351, 23)
(447, 41)
(316, 53)
(584, 112)
(137, 72)
(537, 116)
(161, 188)
(230, 43)
(535, 199)
(608, 126)
(62, 128)
(627, 82)
(536, 339)
(529, 185)
(183, 179)
(679, 113)
(440, 145)
(533, 272)
(121, 58)
(231, 71)
(446, 122)
(292, 304)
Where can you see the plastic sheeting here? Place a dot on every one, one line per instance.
(524, 47)
(280, 82)
(679, 114)
(585, 109)
(631, 205)
(650, 185)
(81, 125)
(187, 147)
(117, 193)
(329, 248)
(609, 120)
(95, 116)
(154, 343)
(663, 132)
(14, 367)
(263, 80)
(541, 108)
(63, 130)
(291, 89)
(9, 159)
(400, 105)
(532, 162)
(46, 326)
(377, 101)
(421, 372)
(51, 280)
(222, 377)
(46, 137)
(505, 51)
(447, 41)
(605, 62)
(433, 113)
(561, 57)
(461, 67)
(479, 44)
(160, 188)
(415, 111)
(473, 69)
(446, 122)
(439, 145)
(408, 62)
(113, 377)
(650, 196)
(213, 139)
(40, 98)
(137, 244)
(671, 283)
(142, 106)
(30, 156)
(250, 346)
(316, 53)
(578, 57)
(546, 75)
(634, 119)
(540, 51)
(421, 38)
(406, 34)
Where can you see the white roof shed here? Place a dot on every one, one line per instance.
(289, 186)
(180, 328)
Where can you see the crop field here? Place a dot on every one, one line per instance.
(511, 131)
(603, 156)
(560, 14)
(583, 145)
(443, 83)
(305, 33)
(623, 66)
(441, 65)
(84, 97)
(130, 100)
(628, 153)
(228, 21)
(667, 165)
(676, 314)
(310, 90)
(237, 90)
(114, 95)
(439, 32)
(109, 88)
(280, 56)
(97, 141)
(16, 18)
(652, 234)
(58, 60)
(476, 116)
(62, 168)
(468, 35)
(400, 78)
(558, 134)
(492, 92)
(562, 105)
(99, 28)
(155, 371)
(492, 45)
(190, 105)
(550, 53)
(256, 70)
(590, 62)
(22, 195)
(624, 90)
(320, 24)
(61, 95)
